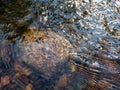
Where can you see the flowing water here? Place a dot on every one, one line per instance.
(59, 44)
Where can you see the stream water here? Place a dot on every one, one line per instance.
(92, 27)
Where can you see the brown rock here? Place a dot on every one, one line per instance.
(49, 51)
(62, 81)
(4, 81)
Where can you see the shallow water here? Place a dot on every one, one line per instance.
(91, 26)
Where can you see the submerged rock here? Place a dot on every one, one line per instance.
(44, 50)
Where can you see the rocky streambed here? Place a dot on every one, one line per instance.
(59, 45)
(55, 63)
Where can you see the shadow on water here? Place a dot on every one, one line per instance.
(92, 28)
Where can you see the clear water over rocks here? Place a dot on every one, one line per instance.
(60, 44)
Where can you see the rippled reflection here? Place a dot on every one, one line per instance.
(91, 28)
